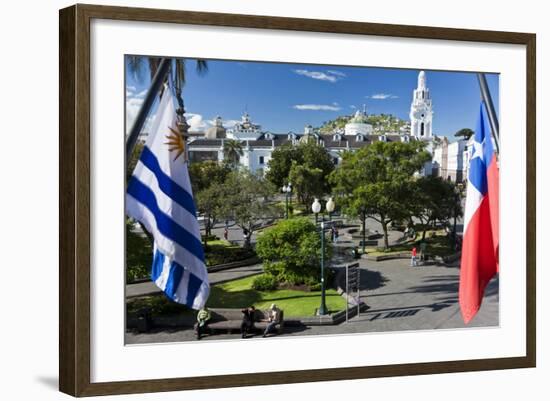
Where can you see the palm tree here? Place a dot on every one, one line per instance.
(136, 66)
(232, 152)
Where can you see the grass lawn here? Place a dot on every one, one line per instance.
(222, 251)
(239, 294)
(436, 245)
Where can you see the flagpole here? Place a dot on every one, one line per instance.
(156, 83)
(493, 119)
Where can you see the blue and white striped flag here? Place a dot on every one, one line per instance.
(159, 196)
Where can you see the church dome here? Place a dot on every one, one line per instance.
(217, 131)
(358, 124)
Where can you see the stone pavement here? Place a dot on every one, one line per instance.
(149, 288)
(399, 297)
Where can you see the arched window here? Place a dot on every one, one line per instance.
(421, 129)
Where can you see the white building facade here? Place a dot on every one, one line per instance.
(421, 113)
(258, 145)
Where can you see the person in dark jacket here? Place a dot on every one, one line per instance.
(247, 324)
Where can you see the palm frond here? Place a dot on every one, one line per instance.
(202, 67)
(154, 63)
(135, 66)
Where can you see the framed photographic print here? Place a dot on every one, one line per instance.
(356, 198)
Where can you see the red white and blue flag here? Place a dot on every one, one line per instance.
(480, 251)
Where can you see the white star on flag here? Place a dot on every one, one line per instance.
(478, 150)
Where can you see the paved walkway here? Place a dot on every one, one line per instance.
(400, 298)
(149, 288)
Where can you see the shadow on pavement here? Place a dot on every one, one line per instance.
(372, 280)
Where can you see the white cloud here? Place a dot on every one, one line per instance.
(382, 96)
(329, 76)
(142, 93)
(133, 105)
(337, 73)
(196, 122)
(323, 107)
(352, 106)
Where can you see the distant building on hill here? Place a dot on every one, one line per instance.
(258, 144)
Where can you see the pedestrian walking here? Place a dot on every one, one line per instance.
(225, 233)
(413, 257)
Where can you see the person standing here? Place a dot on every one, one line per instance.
(413, 257)
(247, 325)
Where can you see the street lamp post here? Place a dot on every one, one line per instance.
(286, 190)
(286, 198)
(330, 208)
(316, 208)
(322, 307)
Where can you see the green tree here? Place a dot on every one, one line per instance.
(280, 164)
(435, 199)
(139, 253)
(246, 199)
(232, 152)
(465, 133)
(291, 251)
(209, 204)
(308, 155)
(207, 173)
(138, 65)
(377, 181)
(206, 178)
(307, 182)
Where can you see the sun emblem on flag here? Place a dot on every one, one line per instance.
(176, 143)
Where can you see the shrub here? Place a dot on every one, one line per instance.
(291, 251)
(139, 254)
(264, 282)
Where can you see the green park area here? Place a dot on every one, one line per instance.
(240, 293)
(283, 238)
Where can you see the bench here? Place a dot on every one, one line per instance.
(230, 320)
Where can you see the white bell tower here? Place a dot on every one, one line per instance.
(421, 110)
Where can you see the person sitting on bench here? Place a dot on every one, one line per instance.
(202, 321)
(273, 318)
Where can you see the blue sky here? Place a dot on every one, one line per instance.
(285, 97)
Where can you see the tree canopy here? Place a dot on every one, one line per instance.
(466, 133)
(291, 251)
(377, 181)
(435, 199)
(306, 161)
(246, 199)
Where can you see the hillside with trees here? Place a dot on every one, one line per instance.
(384, 122)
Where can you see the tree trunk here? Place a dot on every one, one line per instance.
(248, 238)
(206, 229)
(385, 229)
